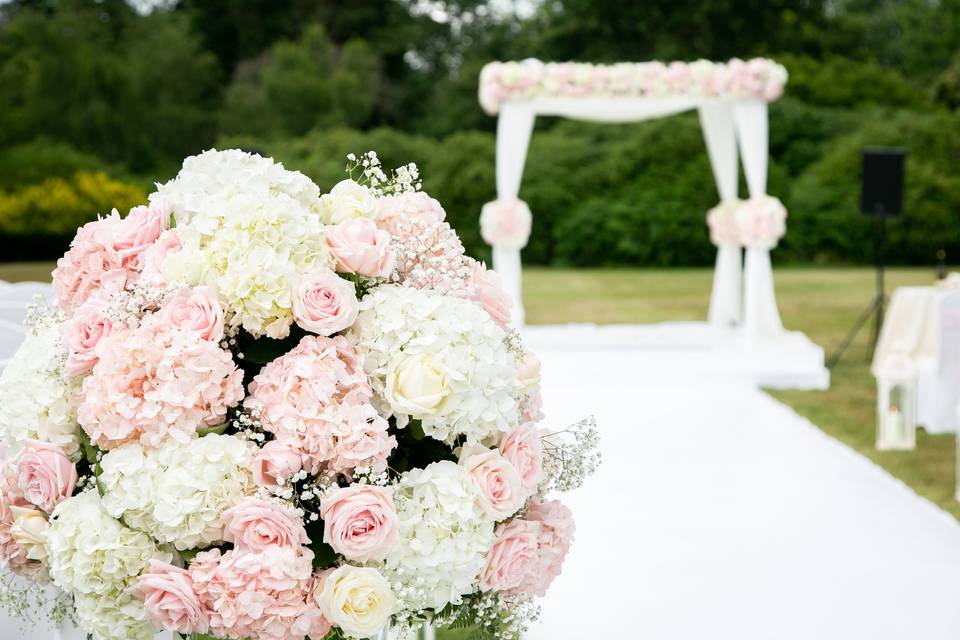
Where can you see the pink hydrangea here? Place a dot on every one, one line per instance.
(394, 212)
(107, 253)
(431, 256)
(260, 594)
(318, 396)
(761, 221)
(91, 262)
(155, 382)
(12, 555)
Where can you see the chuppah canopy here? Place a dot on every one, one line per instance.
(731, 99)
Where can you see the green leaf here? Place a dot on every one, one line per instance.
(219, 429)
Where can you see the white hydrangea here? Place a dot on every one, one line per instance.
(444, 537)
(90, 552)
(438, 359)
(114, 616)
(249, 228)
(178, 492)
(37, 397)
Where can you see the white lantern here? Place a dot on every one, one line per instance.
(896, 402)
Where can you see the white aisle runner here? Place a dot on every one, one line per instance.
(719, 513)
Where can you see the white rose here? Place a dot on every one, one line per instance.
(416, 385)
(528, 372)
(347, 199)
(29, 530)
(356, 599)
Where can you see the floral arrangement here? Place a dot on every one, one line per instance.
(506, 222)
(261, 412)
(722, 222)
(761, 221)
(756, 79)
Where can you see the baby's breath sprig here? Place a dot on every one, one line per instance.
(33, 603)
(570, 456)
(40, 316)
(368, 171)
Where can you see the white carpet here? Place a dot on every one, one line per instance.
(719, 513)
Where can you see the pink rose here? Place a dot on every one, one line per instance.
(360, 522)
(513, 557)
(360, 247)
(195, 309)
(169, 599)
(489, 293)
(277, 459)
(555, 538)
(91, 262)
(153, 258)
(523, 449)
(139, 230)
(12, 553)
(254, 524)
(325, 303)
(45, 474)
(84, 333)
(501, 488)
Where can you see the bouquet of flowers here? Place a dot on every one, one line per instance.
(261, 412)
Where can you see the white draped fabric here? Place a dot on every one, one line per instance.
(719, 133)
(725, 125)
(761, 318)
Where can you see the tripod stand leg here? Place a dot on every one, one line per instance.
(865, 315)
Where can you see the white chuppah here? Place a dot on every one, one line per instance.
(733, 115)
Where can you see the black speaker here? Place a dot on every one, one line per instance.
(881, 194)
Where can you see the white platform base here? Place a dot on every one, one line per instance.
(696, 350)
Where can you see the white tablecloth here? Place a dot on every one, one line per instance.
(913, 325)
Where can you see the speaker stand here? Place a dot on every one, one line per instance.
(875, 309)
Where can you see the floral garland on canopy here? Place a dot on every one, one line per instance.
(755, 79)
(260, 412)
(760, 222)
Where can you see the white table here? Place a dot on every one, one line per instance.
(913, 325)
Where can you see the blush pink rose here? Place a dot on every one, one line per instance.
(555, 538)
(170, 600)
(324, 303)
(360, 522)
(360, 247)
(523, 449)
(194, 309)
(12, 555)
(501, 488)
(91, 262)
(139, 230)
(254, 524)
(45, 474)
(513, 557)
(153, 258)
(277, 459)
(84, 333)
(488, 292)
